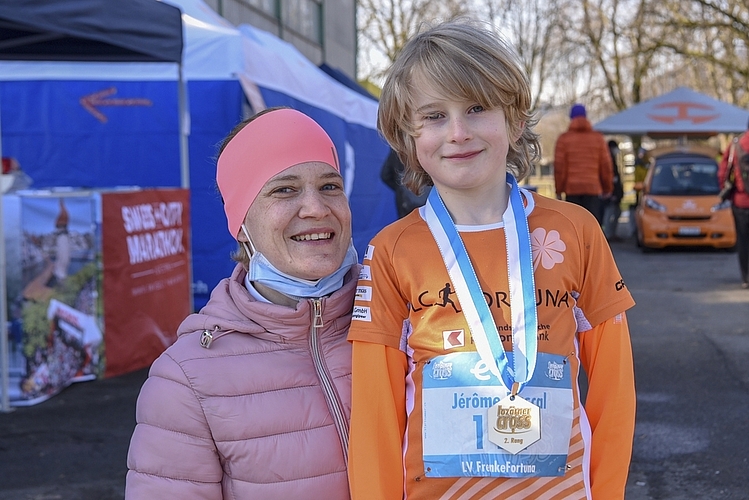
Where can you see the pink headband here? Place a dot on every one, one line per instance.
(265, 147)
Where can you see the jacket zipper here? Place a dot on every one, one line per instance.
(326, 382)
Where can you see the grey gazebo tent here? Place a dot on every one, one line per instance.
(85, 30)
(681, 112)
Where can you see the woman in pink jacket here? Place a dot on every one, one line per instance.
(253, 399)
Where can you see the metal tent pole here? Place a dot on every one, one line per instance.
(184, 156)
(4, 400)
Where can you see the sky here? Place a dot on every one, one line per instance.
(38, 213)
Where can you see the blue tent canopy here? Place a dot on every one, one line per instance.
(90, 30)
(80, 30)
(343, 78)
(89, 124)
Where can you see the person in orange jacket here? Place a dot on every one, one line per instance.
(476, 313)
(582, 164)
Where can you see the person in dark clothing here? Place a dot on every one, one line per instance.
(612, 205)
(392, 175)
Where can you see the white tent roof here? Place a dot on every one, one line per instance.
(274, 64)
(679, 112)
(213, 46)
(214, 49)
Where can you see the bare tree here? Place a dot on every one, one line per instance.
(535, 28)
(610, 54)
(714, 39)
(624, 42)
(386, 25)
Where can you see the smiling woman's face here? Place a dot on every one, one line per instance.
(301, 221)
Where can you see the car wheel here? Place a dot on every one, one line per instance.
(641, 244)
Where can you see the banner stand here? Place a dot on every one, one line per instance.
(95, 285)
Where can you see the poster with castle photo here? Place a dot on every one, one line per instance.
(54, 308)
(97, 283)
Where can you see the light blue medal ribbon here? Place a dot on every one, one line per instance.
(472, 301)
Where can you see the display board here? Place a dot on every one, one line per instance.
(97, 284)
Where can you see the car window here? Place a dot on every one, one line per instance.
(685, 178)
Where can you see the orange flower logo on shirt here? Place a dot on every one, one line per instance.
(547, 248)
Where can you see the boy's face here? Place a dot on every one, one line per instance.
(460, 144)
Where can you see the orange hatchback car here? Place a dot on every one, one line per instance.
(679, 203)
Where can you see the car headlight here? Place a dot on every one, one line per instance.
(723, 205)
(652, 204)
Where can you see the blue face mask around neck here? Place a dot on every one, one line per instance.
(262, 271)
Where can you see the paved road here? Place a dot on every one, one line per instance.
(690, 335)
(72, 446)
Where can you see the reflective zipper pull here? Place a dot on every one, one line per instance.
(317, 308)
(207, 337)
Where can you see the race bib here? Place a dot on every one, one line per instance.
(460, 399)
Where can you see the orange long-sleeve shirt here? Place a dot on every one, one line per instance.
(581, 301)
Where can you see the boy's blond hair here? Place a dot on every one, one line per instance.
(466, 61)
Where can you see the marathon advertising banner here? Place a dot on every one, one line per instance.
(146, 257)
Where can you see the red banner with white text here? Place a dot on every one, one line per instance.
(146, 275)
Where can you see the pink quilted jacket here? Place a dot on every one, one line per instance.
(262, 413)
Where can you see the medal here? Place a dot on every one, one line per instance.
(514, 423)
